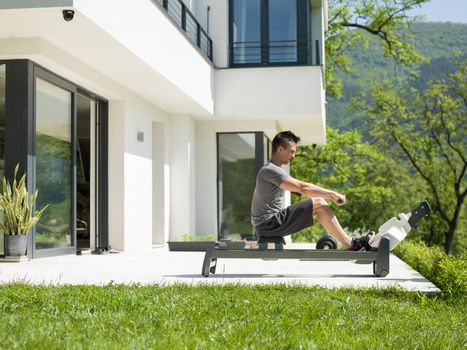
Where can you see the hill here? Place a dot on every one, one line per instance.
(435, 40)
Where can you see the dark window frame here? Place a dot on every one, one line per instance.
(303, 18)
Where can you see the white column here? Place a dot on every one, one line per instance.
(116, 175)
(182, 176)
(161, 189)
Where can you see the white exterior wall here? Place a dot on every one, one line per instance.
(131, 181)
(122, 42)
(266, 93)
(218, 28)
(138, 25)
(183, 176)
(157, 83)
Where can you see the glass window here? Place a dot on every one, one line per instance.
(269, 32)
(53, 164)
(236, 183)
(282, 31)
(2, 132)
(247, 31)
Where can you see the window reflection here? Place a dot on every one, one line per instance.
(266, 32)
(53, 164)
(282, 31)
(2, 119)
(237, 176)
(247, 31)
(2, 132)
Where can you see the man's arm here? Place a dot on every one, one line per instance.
(310, 190)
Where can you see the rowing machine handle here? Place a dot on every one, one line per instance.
(419, 212)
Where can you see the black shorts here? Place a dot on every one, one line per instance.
(290, 220)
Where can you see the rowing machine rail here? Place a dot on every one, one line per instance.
(379, 257)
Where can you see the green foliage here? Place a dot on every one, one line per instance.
(437, 41)
(188, 237)
(238, 184)
(226, 317)
(17, 207)
(447, 272)
(386, 20)
(52, 168)
(427, 131)
(53, 161)
(376, 187)
(430, 89)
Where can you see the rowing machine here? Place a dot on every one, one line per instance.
(390, 234)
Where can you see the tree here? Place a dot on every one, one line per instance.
(387, 20)
(375, 187)
(428, 130)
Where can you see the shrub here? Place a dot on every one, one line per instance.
(447, 272)
(208, 237)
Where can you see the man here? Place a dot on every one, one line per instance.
(267, 213)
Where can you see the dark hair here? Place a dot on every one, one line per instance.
(283, 139)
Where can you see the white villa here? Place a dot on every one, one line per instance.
(145, 121)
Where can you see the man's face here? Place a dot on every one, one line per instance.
(286, 154)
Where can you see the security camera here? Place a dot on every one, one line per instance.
(68, 15)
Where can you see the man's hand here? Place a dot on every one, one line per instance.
(338, 198)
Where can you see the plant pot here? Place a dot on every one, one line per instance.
(15, 245)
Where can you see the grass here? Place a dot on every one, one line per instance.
(226, 317)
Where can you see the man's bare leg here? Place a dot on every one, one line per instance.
(329, 221)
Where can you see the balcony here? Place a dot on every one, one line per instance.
(292, 96)
(275, 53)
(188, 23)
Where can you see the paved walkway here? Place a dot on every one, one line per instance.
(163, 267)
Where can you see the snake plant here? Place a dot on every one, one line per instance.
(17, 214)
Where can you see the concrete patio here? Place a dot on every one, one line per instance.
(164, 267)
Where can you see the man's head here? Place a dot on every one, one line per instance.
(284, 146)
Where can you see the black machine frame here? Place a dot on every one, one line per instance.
(379, 257)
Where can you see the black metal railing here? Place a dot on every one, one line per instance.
(279, 52)
(187, 21)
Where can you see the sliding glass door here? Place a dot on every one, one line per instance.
(54, 165)
(57, 132)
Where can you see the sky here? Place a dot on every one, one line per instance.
(444, 11)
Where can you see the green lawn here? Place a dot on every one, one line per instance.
(232, 316)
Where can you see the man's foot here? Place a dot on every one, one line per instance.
(362, 243)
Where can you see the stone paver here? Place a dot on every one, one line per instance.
(164, 267)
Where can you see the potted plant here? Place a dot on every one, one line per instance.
(17, 214)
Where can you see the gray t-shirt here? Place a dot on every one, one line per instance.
(268, 198)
